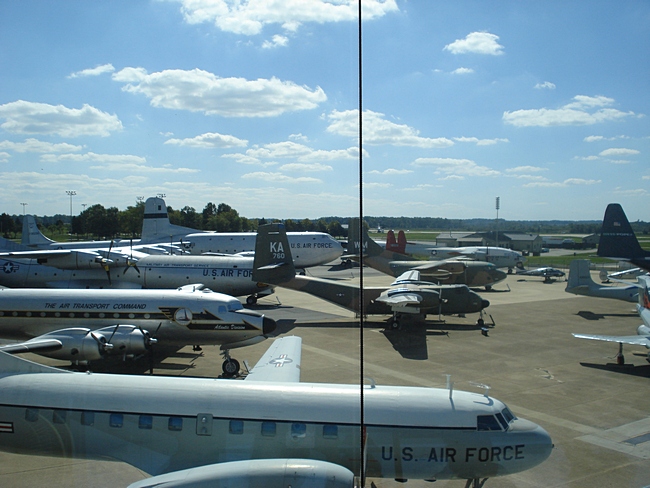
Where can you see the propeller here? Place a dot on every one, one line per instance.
(130, 262)
(150, 340)
(106, 263)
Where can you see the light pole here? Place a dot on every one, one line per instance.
(24, 205)
(71, 193)
(497, 222)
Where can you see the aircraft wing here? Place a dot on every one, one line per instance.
(36, 254)
(411, 275)
(280, 362)
(635, 339)
(400, 300)
(34, 345)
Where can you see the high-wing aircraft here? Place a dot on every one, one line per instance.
(546, 272)
(581, 283)
(88, 325)
(643, 331)
(407, 295)
(269, 430)
(450, 271)
(499, 256)
(617, 239)
(231, 275)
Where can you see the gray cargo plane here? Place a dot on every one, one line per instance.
(617, 239)
(581, 283)
(449, 271)
(643, 331)
(407, 295)
(67, 324)
(268, 431)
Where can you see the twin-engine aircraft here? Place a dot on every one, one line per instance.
(643, 331)
(581, 283)
(87, 325)
(406, 296)
(269, 430)
(448, 272)
(546, 272)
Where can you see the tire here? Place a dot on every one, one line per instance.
(230, 367)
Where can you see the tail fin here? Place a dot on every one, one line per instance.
(391, 243)
(579, 274)
(273, 262)
(617, 239)
(401, 242)
(156, 226)
(33, 237)
(358, 242)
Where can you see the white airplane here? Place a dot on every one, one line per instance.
(499, 256)
(88, 325)
(231, 275)
(581, 283)
(269, 430)
(643, 331)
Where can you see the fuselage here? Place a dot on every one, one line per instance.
(499, 256)
(175, 317)
(231, 275)
(163, 424)
(307, 248)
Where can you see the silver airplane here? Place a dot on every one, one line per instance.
(546, 272)
(581, 283)
(88, 325)
(643, 331)
(499, 256)
(269, 430)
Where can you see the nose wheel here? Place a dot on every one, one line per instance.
(230, 366)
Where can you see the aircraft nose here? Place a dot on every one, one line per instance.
(268, 325)
(485, 304)
(537, 441)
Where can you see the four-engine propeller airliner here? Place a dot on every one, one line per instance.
(269, 430)
(87, 325)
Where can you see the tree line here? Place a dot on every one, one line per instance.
(98, 222)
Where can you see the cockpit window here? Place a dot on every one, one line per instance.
(502, 421)
(487, 422)
(507, 414)
(235, 305)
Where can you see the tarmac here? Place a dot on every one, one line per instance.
(595, 410)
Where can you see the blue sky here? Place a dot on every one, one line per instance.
(255, 104)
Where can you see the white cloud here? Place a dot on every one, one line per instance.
(299, 152)
(391, 172)
(561, 184)
(200, 91)
(638, 192)
(36, 146)
(602, 138)
(276, 41)
(574, 113)
(618, 151)
(377, 130)
(476, 42)
(455, 167)
(480, 142)
(311, 168)
(525, 169)
(4, 157)
(462, 71)
(279, 178)
(91, 157)
(249, 18)
(99, 70)
(210, 140)
(547, 85)
(41, 118)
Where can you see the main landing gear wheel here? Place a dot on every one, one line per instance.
(230, 367)
(251, 300)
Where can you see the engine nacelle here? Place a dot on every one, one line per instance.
(258, 473)
(83, 345)
(78, 259)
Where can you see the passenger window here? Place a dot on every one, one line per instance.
(175, 424)
(87, 418)
(31, 414)
(298, 430)
(330, 431)
(116, 420)
(487, 422)
(145, 422)
(59, 416)
(236, 427)
(268, 429)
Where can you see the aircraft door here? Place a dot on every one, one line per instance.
(204, 424)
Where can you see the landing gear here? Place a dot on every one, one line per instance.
(620, 359)
(230, 366)
(251, 300)
(393, 322)
(475, 483)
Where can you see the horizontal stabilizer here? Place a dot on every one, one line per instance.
(10, 365)
(280, 362)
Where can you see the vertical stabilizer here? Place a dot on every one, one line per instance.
(391, 242)
(273, 263)
(617, 239)
(580, 275)
(156, 226)
(33, 237)
(401, 243)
